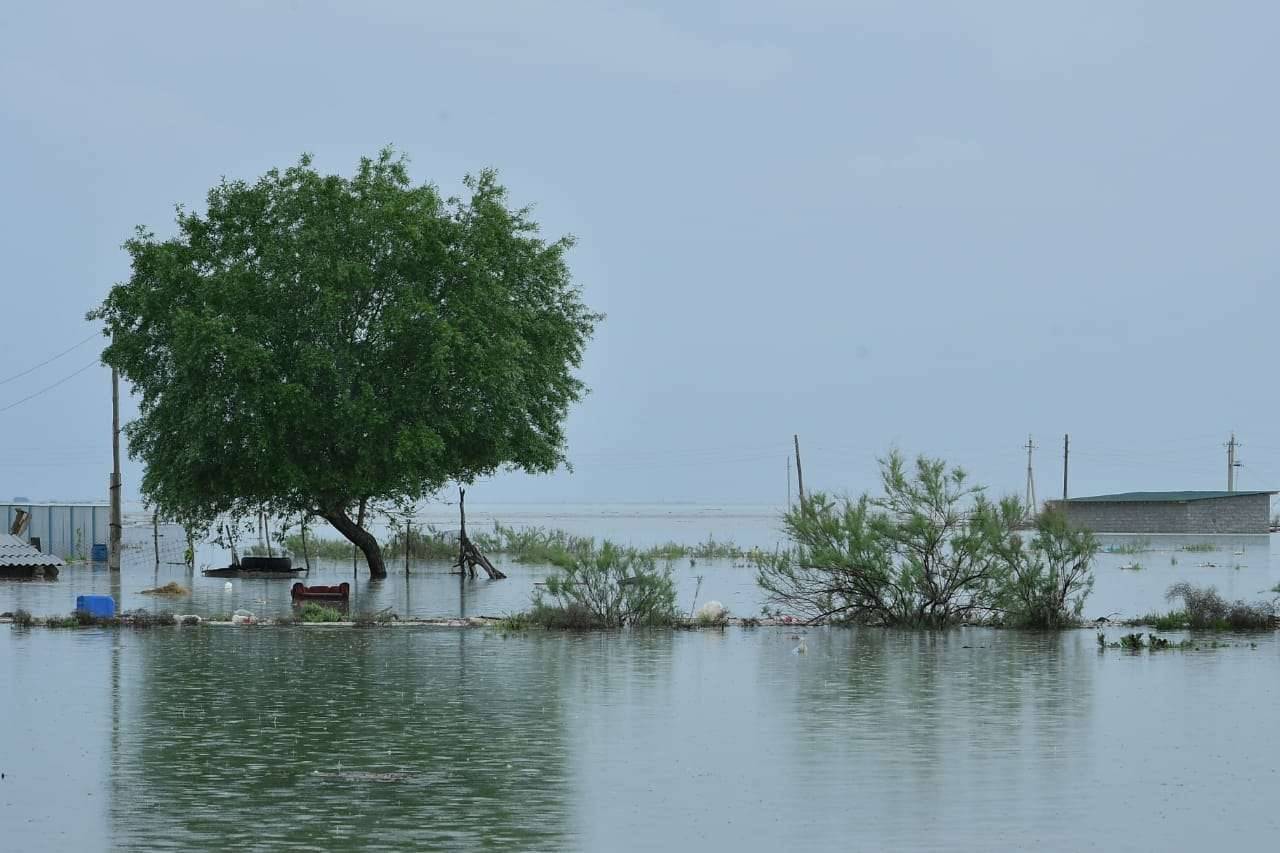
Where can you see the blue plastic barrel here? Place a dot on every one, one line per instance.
(102, 606)
(99, 553)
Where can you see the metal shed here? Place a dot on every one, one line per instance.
(68, 530)
(20, 560)
(1172, 512)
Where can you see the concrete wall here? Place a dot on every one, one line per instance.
(1243, 514)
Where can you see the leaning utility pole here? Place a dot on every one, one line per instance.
(113, 552)
(1066, 458)
(1031, 480)
(1232, 463)
(799, 472)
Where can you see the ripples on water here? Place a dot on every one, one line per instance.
(435, 739)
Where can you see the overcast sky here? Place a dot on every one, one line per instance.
(936, 226)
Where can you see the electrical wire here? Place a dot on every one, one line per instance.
(49, 360)
(66, 378)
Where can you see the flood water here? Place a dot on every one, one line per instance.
(413, 738)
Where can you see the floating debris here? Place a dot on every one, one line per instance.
(170, 588)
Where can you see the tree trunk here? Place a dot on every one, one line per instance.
(359, 537)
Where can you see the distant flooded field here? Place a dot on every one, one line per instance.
(413, 739)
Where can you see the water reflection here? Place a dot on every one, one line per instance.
(341, 740)
(421, 739)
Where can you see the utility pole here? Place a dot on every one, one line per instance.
(1232, 462)
(799, 472)
(1066, 458)
(1031, 480)
(113, 553)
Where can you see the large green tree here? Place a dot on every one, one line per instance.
(314, 342)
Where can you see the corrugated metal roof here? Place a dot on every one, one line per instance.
(1162, 497)
(15, 552)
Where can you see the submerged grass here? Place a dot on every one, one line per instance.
(1137, 546)
(313, 612)
(546, 545)
(129, 619)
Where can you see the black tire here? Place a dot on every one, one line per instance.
(266, 564)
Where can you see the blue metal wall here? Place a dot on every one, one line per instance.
(68, 530)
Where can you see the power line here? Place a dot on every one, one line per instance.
(48, 360)
(66, 378)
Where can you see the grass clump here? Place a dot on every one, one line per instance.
(612, 587)
(1174, 620)
(1199, 548)
(23, 618)
(536, 545)
(711, 549)
(1204, 609)
(312, 612)
(1137, 546)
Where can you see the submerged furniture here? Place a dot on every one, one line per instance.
(341, 592)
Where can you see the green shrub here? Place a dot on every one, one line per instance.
(22, 618)
(1048, 582)
(932, 552)
(313, 612)
(609, 588)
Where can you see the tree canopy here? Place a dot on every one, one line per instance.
(312, 342)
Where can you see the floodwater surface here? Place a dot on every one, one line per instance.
(416, 739)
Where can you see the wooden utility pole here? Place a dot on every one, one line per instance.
(1066, 458)
(113, 552)
(155, 535)
(799, 471)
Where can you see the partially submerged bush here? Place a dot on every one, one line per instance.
(313, 612)
(1048, 582)
(23, 618)
(609, 588)
(933, 551)
(1204, 608)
